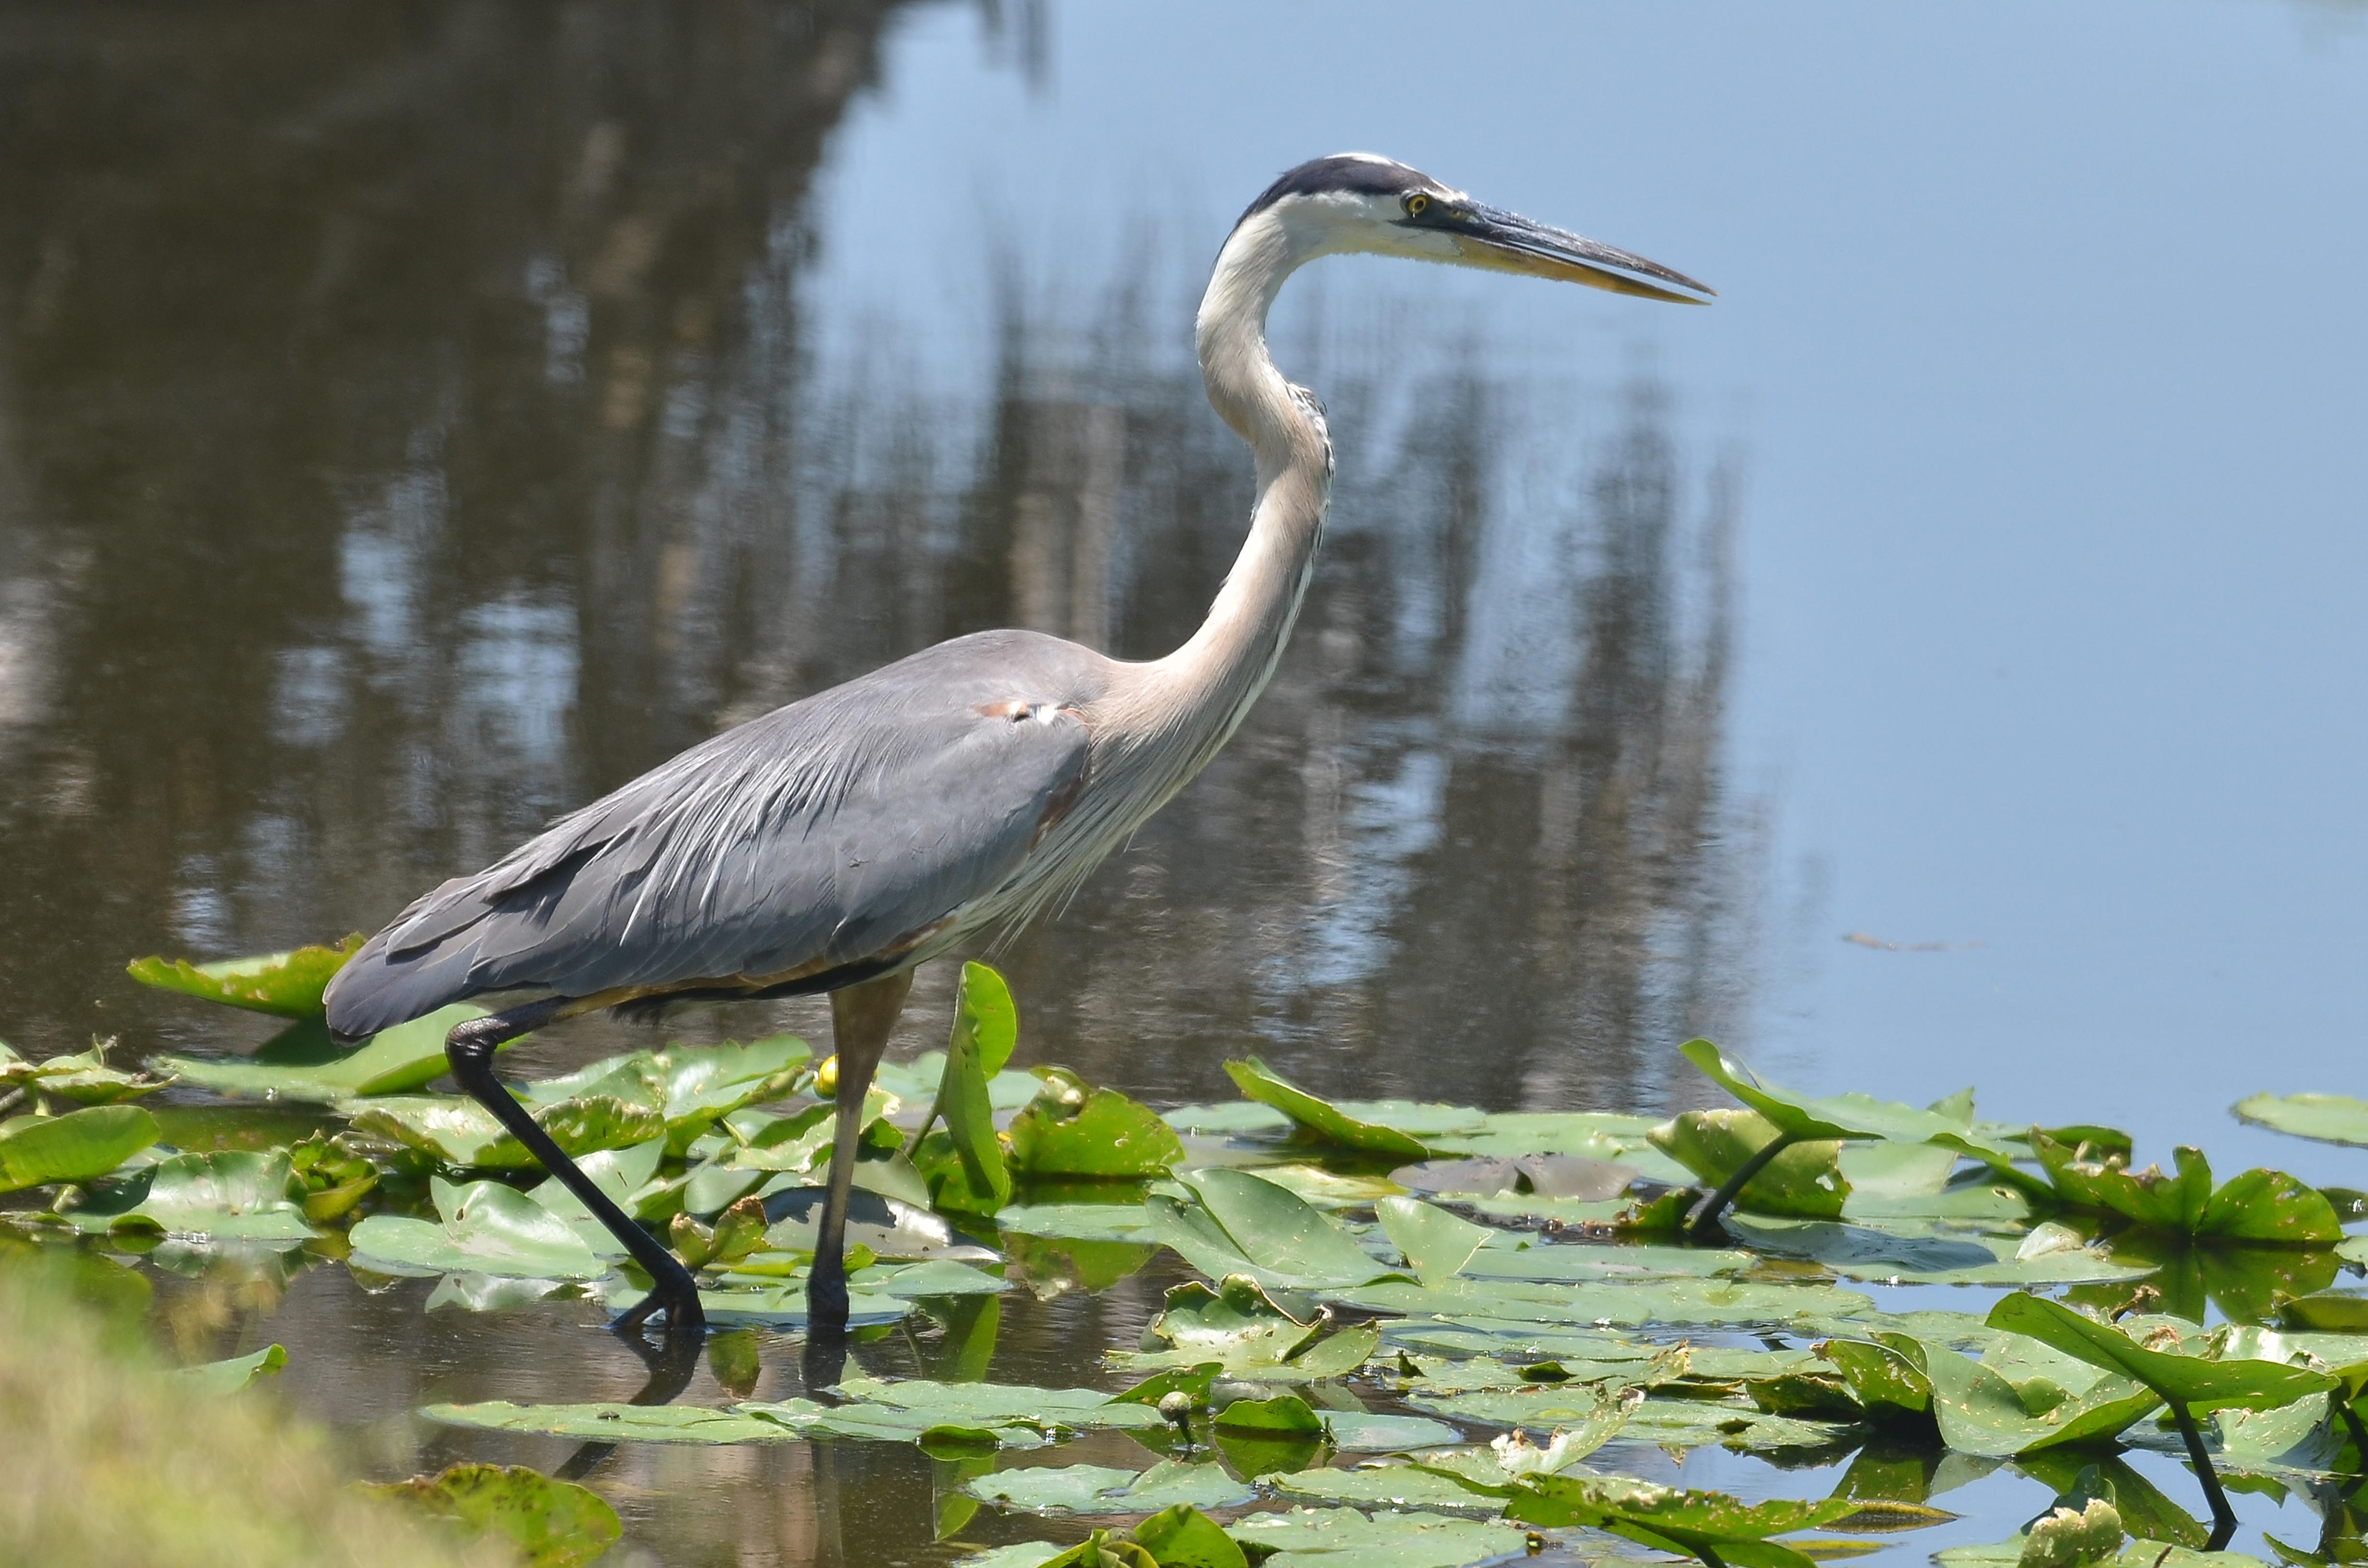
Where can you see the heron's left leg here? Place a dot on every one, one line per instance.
(861, 1020)
(470, 1049)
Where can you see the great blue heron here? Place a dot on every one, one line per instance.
(835, 844)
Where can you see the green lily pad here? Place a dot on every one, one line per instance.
(1100, 1489)
(1073, 1130)
(78, 1146)
(304, 1064)
(286, 984)
(1238, 1328)
(1925, 1253)
(2193, 1382)
(1362, 1432)
(1243, 1225)
(216, 1378)
(915, 1082)
(83, 1078)
(1318, 1537)
(464, 1135)
(1668, 1519)
(1183, 1537)
(1886, 1374)
(1816, 1118)
(1079, 1221)
(1577, 1262)
(1805, 1180)
(1385, 1485)
(1511, 1302)
(549, 1524)
(692, 1087)
(484, 1228)
(1436, 1244)
(620, 1173)
(1319, 1119)
(231, 1196)
(960, 1405)
(1980, 1411)
(616, 1423)
(2329, 1119)
(1235, 1118)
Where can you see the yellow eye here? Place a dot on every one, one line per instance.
(1416, 204)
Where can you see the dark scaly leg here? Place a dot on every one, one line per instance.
(861, 1019)
(470, 1049)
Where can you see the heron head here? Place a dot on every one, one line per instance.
(1360, 202)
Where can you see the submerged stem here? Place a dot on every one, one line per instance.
(2224, 1517)
(1705, 1220)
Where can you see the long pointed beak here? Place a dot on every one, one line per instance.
(1506, 242)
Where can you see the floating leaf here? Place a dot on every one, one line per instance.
(1071, 1130)
(980, 1404)
(1319, 1119)
(485, 1228)
(1243, 1225)
(83, 1078)
(2193, 1382)
(2329, 1119)
(1979, 1411)
(463, 1134)
(1098, 1489)
(2269, 1207)
(1885, 1374)
(2102, 1181)
(287, 985)
(1389, 1485)
(1669, 1519)
(1079, 1221)
(1237, 1326)
(78, 1146)
(1812, 1118)
(1183, 1537)
(216, 1378)
(1804, 1180)
(231, 1196)
(1436, 1244)
(1511, 1302)
(305, 1064)
(552, 1524)
(1925, 1253)
(1572, 1177)
(1308, 1536)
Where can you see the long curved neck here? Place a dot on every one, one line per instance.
(1190, 702)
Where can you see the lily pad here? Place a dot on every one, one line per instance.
(1979, 1411)
(1100, 1489)
(216, 1378)
(1075, 1129)
(549, 1524)
(1709, 1524)
(1318, 1119)
(1805, 1180)
(987, 1026)
(1436, 1244)
(1513, 1302)
(1183, 1537)
(288, 984)
(959, 1404)
(1923, 1253)
(1240, 1328)
(78, 1146)
(1813, 1117)
(232, 1196)
(463, 1134)
(1387, 1485)
(83, 1078)
(484, 1228)
(2329, 1119)
(2193, 1382)
(305, 1064)
(1079, 1221)
(1317, 1538)
(617, 1423)
(1243, 1225)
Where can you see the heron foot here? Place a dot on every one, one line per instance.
(677, 1295)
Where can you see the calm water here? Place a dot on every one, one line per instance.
(415, 426)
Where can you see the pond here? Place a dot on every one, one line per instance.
(1928, 666)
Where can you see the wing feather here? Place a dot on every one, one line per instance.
(821, 833)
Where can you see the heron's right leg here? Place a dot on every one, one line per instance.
(861, 1020)
(470, 1049)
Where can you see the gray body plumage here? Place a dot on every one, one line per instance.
(889, 817)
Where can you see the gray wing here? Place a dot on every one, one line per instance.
(818, 835)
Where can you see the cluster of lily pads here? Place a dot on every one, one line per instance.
(1413, 1335)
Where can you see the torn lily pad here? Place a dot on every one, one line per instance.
(287, 985)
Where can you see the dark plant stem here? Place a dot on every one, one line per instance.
(2359, 1438)
(2224, 1517)
(1704, 1226)
(1711, 1559)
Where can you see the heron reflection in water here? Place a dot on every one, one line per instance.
(835, 845)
